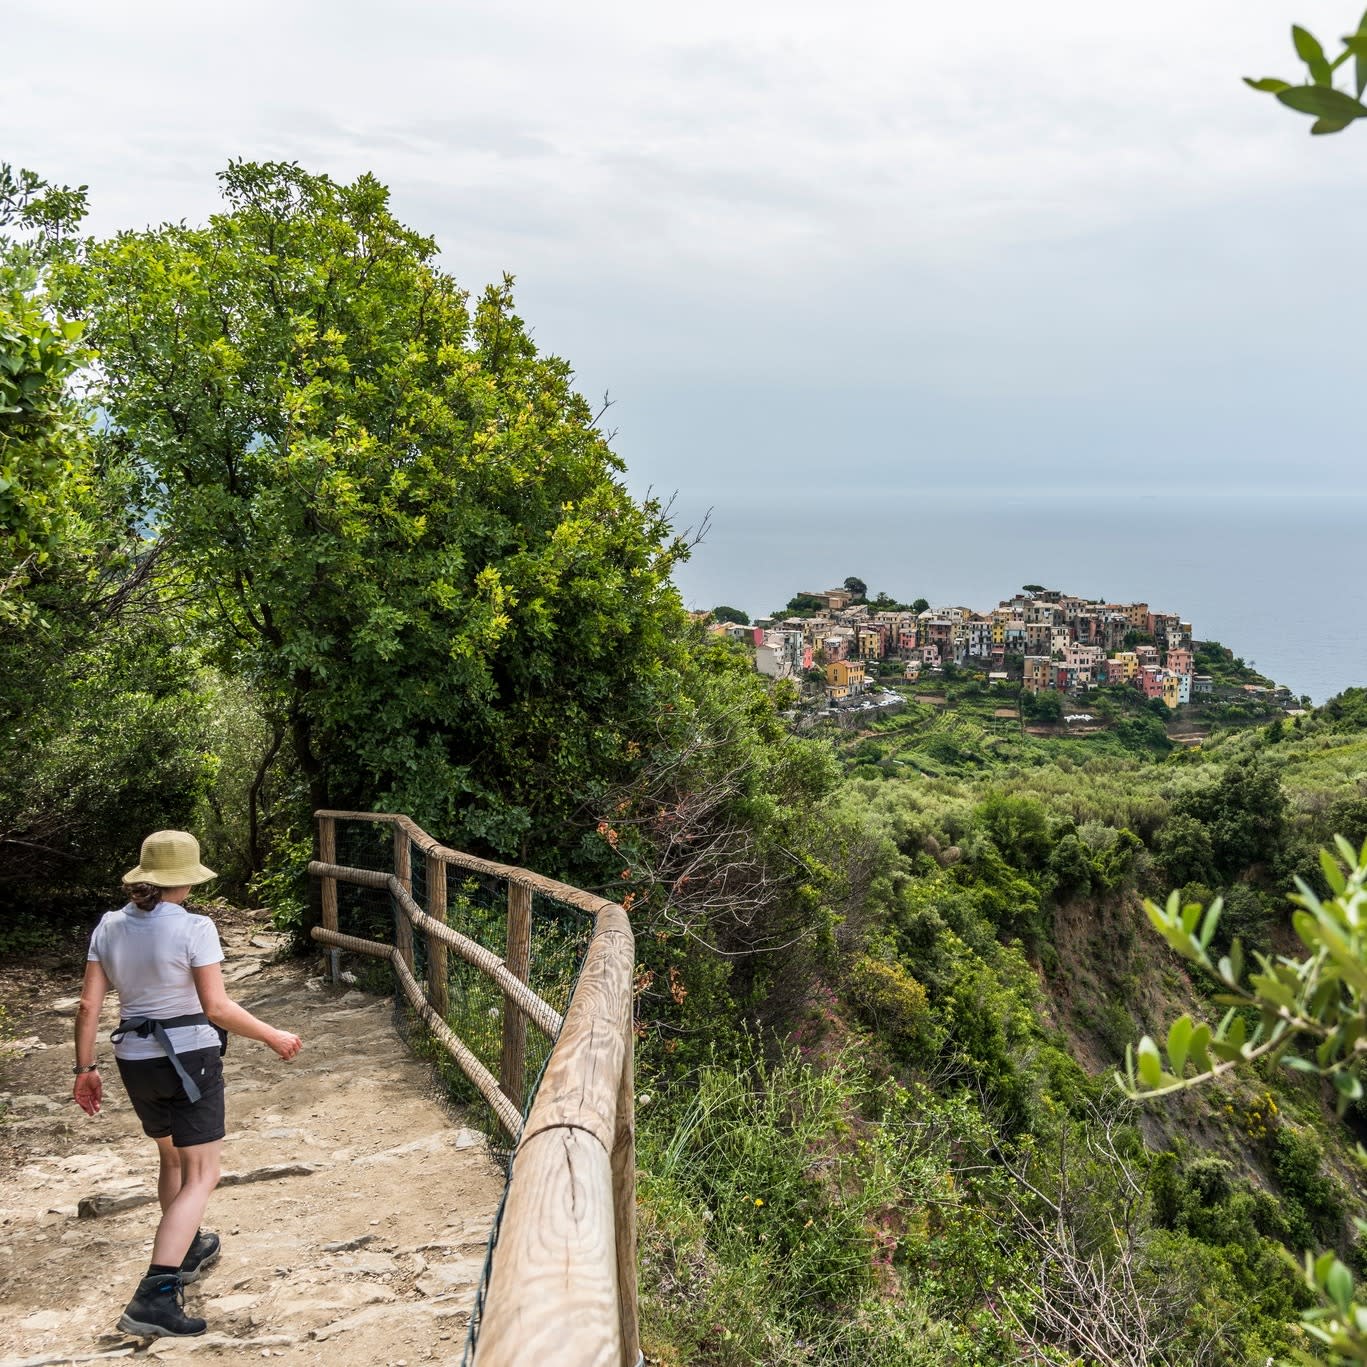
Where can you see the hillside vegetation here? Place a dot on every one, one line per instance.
(298, 520)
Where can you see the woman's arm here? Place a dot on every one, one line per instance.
(88, 1090)
(237, 1020)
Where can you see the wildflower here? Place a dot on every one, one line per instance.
(759, 1201)
(643, 1099)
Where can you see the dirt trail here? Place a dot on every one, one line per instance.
(364, 1246)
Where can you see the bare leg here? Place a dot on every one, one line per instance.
(199, 1165)
(169, 1176)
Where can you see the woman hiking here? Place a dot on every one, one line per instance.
(164, 964)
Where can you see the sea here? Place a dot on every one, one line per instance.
(1280, 578)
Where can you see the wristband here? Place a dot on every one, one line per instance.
(89, 1068)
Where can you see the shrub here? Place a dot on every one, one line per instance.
(892, 1002)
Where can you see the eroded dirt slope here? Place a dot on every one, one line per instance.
(354, 1211)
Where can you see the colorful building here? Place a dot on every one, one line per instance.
(844, 679)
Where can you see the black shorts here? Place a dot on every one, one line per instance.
(158, 1096)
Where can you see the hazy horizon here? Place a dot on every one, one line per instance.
(1245, 571)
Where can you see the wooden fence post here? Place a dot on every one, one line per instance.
(403, 871)
(517, 955)
(327, 854)
(436, 949)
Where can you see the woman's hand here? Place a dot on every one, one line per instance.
(284, 1044)
(89, 1092)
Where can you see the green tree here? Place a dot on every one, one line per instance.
(722, 613)
(44, 454)
(102, 722)
(1244, 811)
(857, 587)
(1184, 850)
(1018, 827)
(920, 605)
(402, 520)
(1046, 706)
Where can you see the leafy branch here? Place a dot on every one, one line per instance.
(1333, 109)
(1311, 1017)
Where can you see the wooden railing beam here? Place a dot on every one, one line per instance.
(544, 1017)
(623, 1160)
(509, 873)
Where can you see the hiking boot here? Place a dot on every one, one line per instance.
(158, 1310)
(202, 1256)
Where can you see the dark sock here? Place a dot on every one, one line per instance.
(161, 1270)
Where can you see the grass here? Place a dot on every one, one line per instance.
(771, 1213)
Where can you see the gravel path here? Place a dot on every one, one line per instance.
(354, 1208)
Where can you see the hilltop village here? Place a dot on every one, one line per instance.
(1042, 638)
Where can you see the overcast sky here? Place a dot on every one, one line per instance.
(804, 245)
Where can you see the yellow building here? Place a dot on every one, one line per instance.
(871, 644)
(1124, 666)
(1172, 690)
(844, 678)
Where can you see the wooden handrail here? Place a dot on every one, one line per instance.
(509, 873)
(563, 1283)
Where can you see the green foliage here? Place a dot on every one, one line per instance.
(722, 613)
(1018, 828)
(892, 1002)
(114, 749)
(44, 453)
(283, 884)
(1224, 666)
(1045, 707)
(1311, 1016)
(1184, 850)
(764, 1216)
(1312, 1206)
(1333, 109)
(1070, 867)
(407, 527)
(1243, 810)
(42, 450)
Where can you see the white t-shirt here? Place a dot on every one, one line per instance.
(147, 956)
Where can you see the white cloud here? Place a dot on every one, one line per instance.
(979, 202)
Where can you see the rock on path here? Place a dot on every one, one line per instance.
(353, 1233)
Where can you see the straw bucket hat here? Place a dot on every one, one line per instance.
(170, 859)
